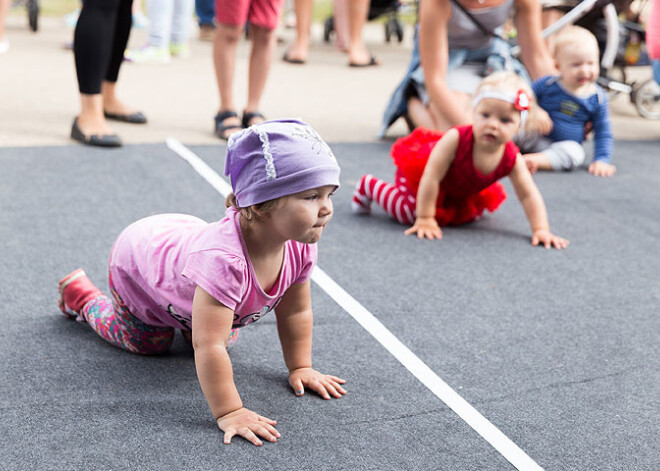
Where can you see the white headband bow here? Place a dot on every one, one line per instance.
(520, 101)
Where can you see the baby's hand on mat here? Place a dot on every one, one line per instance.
(249, 425)
(602, 169)
(425, 227)
(324, 385)
(547, 239)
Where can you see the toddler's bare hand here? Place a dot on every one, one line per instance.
(249, 425)
(547, 239)
(425, 228)
(602, 169)
(326, 386)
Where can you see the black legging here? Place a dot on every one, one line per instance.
(99, 42)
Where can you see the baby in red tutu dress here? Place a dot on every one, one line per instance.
(452, 178)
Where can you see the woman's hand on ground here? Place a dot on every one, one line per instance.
(249, 425)
(547, 239)
(425, 227)
(326, 386)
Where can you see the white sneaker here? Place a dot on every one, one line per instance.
(148, 55)
(4, 46)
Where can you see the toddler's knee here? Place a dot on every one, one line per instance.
(575, 153)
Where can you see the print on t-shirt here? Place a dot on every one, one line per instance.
(250, 318)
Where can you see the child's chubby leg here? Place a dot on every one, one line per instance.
(537, 161)
(396, 200)
(113, 322)
(561, 155)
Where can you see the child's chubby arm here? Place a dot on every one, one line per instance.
(294, 325)
(441, 157)
(532, 202)
(211, 326)
(602, 143)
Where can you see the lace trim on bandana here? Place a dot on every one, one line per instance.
(271, 174)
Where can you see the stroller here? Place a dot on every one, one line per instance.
(622, 45)
(377, 8)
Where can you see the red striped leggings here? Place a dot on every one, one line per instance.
(396, 200)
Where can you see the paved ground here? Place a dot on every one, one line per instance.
(558, 350)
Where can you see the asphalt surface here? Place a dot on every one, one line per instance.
(559, 350)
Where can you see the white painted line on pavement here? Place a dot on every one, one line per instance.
(216, 181)
(368, 321)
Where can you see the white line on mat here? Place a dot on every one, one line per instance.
(368, 321)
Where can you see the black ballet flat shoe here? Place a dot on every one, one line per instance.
(98, 140)
(134, 118)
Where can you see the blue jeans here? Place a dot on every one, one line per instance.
(205, 10)
(494, 57)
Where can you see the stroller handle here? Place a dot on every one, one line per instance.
(569, 18)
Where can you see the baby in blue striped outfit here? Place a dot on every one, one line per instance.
(573, 99)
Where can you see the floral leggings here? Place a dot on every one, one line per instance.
(116, 324)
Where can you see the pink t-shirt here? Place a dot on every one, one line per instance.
(157, 262)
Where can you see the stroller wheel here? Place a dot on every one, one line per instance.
(646, 97)
(33, 14)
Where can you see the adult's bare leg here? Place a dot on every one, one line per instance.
(225, 43)
(358, 54)
(261, 58)
(299, 49)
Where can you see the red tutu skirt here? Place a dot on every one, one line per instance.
(410, 154)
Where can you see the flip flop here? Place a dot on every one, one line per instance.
(133, 118)
(372, 61)
(288, 59)
(220, 128)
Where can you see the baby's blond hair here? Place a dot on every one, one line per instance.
(511, 82)
(575, 37)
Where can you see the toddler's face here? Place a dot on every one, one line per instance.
(495, 121)
(578, 65)
(302, 216)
